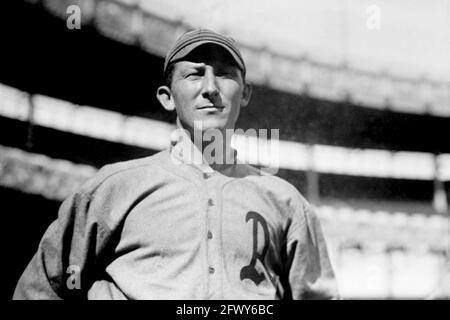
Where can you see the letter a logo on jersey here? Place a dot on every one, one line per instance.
(249, 271)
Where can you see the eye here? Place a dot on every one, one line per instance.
(227, 73)
(194, 74)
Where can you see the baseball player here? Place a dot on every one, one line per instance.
(182, 224)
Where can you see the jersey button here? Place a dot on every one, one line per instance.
(210, 202)
(211, 270)
(210, 235)
(206, 175)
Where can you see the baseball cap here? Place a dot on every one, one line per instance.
(193, 39)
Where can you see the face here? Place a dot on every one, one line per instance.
(208, 88)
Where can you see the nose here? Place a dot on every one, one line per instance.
(210, 89)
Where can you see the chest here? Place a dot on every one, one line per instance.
(240, 218)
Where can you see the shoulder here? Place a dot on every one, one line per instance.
(126, 167)
(108, 196)
(125, 172)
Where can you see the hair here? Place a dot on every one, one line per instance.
(169, 74)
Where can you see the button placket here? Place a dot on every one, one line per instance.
(209, 224)
(213, 267)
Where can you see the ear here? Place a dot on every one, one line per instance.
(246, 94)
(164, 96)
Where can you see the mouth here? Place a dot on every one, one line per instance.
(211, 107)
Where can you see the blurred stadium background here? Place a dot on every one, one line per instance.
(363, 108)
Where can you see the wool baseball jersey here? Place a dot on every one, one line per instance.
(165, 227)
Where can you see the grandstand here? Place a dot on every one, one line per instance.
(367, 143)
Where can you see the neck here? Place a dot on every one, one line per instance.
(213, 144)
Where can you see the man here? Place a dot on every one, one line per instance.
(186, 223)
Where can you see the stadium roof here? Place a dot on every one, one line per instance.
(412, 38)
(380, 54)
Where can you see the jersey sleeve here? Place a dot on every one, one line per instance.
(68, 254)
(310, 273)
